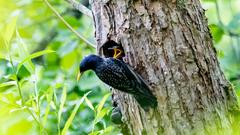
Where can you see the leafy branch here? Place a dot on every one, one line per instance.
(67, 24)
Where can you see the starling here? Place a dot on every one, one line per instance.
(119, 75)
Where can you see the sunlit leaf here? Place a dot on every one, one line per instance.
(18, 109)
(9, 30)
(49, 96)
(217, 32)
(89, 103)
(52, 104)
(3, 48)
(32, 56)
(5, 37)
(10, 83)
(220, 54)
(68, 60)
(54, 101)
(70, 119)
(10, 77)
(107, 130)
(23, 72)
(101, 114)
(94, 133)
(100, 105)
(23, 53)
(63, 99)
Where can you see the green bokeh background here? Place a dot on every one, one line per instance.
(28, 27)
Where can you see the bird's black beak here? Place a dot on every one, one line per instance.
(79, 75)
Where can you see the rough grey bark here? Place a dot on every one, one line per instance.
(169, 44)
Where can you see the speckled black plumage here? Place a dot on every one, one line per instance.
(120, 76)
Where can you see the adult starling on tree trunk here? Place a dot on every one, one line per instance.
(119, 75)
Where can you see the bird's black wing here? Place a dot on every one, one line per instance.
(140, 90)
(135, 79)
(114, 75)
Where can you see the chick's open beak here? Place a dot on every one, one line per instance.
(117, 53)
(79, 76)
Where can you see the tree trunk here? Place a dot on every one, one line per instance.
(169, 44)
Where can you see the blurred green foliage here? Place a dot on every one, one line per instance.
(39, 62)
(39, 59)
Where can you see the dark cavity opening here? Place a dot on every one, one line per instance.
(108, 49)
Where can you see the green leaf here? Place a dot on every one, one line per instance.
(70, 119)
(89, 103)
(100, 105)
(23, 53)
(23, 72)
(107, 130)
(49, 96)
(5, 38)
(217, 32)
(10, 83)
(32, 56)
(220, 53)
(18, 109)
(63, 99)
(101, 114)
(68, 60)
(3, 48)
(9, 30)
(94, 133)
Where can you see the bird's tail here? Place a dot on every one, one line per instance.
(146, 101)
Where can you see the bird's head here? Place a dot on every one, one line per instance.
(88, 63)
